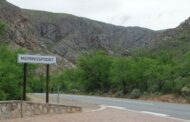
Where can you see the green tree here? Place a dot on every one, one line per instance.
(95, 71)
(122, 74)
(10, 74)
(68, 81)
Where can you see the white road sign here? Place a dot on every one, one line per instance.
(36, 59)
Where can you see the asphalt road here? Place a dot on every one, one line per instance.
(181, 111)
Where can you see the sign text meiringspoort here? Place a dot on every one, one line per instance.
(36, 59)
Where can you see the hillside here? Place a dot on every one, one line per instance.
(134, 62)
(176, 39)
(19, 31)
(70, 36)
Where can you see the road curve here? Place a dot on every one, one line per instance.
(181, 111)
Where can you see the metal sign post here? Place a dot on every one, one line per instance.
(36, 59)
(47, 84)
(58, 93)
(24, 81)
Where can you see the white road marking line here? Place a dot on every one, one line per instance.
(136, 102)
(116, 107)
(147, 112)
(183, 120)
(156, 114)
(122, 108)
(102, 107)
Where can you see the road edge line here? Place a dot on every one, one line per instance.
(142, 112)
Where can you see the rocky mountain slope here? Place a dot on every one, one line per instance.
(175, 41)
(69, 36)
(19, 31)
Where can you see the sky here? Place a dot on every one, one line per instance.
(152, 14)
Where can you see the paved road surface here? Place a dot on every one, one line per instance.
(181, 111)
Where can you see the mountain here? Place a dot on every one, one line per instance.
(174, 41)
(71, 36)
(68, 36)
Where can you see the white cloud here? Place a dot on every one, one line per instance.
(153, 14)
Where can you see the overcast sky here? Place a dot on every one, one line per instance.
(153, 14)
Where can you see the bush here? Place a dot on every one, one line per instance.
(119, 94)
(95, 72)
(178, 85)
(3, 96)
(136, 93)
(185, 91)
(153, 88)
(10, 80)
(168, 87)
(75, 91)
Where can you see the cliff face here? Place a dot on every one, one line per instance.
(70, 36)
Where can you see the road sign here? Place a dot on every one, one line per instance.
(36, 59)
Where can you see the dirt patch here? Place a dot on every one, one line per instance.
(107, 115)
(63, 101)
(170, 98)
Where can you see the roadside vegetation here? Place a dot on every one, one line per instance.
(163, 69)
(132, 77)
(11, 74)
(142, 74)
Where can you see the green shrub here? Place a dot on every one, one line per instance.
(11, 75)
(3, 96)
(136, 93)
(153, 88)
(75, 91)
(168, 87)
(119, 94)
(185, 91)
(178, 85)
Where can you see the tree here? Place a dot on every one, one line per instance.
(68, 81)
(10, 74)
(95, 71)
(122, 75)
